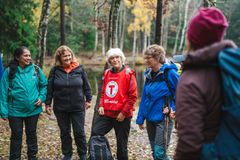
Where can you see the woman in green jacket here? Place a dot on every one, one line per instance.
(23, 89)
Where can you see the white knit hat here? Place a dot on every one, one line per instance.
(115, 52)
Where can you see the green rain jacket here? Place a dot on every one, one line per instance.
(27, 87)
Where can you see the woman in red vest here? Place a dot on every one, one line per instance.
(118, 96)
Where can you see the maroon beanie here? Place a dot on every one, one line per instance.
(207, 27)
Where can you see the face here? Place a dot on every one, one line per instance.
(25, 58)
(66, 58)
(116, 62)
(150, 61)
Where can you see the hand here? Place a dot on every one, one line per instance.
(172, 114)
(141, 126)
(48, 109)
(38, 103)
(87, 105)
(101, 111)
(120, 117)
(165, 110)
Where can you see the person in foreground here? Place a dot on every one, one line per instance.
(199, 91)
(69, 88)
(23, 89)
(118, 96)
(158, 100)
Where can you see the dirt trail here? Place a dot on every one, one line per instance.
(49, 140)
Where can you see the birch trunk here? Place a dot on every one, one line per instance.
(165, 33)
(96, 27)
(184, 26)
(134, 43)
(145, 41)
(103, 43)
(42, 33)
(178, 28)
(123, 28)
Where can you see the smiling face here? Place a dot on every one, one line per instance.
(150, 61)
(116, 62)
(25, 58)
(66, 58)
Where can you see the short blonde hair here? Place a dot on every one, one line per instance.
(60, 51)
(157, 52)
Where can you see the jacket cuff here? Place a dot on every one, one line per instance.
(140, 120)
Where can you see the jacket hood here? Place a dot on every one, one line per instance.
(207, 54)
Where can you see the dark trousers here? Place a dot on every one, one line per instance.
(104, 124)
(77, 120)
(16, 125)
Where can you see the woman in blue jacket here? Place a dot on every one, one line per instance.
(158, 99)
(23, 89)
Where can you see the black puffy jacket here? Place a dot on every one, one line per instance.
(69, 91)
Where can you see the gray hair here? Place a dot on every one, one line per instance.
(157, 52)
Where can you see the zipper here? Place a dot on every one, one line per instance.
(68, 88)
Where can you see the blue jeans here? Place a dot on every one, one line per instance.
(77, 120)
(16, 125)
(156, 137)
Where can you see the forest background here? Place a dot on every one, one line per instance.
(91, 27)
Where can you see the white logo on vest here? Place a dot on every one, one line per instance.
(111, 89)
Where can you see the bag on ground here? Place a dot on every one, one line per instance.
(99, 148)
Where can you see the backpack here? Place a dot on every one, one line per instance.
(227, 142)
(228, 137)
(99, 148)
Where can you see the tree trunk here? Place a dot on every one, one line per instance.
(178, 28)
(114, 22)
(134, 43)
(145, 41)
(62, 22)
(165, 33)
(158, 22)
(109, 42)
(103, 42)
(123, 28)
(42, 33)
(113, 16)
(184, 25)
(96, 27)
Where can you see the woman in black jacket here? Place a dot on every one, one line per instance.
(69, 88)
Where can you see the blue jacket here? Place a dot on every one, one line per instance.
(155, 91)
(26, 89)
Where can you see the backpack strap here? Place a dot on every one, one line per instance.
(165, 77)
(11, 74)
(36, 70)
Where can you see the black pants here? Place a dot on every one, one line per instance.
(104, 124)
(16, 125)
(76, 119)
